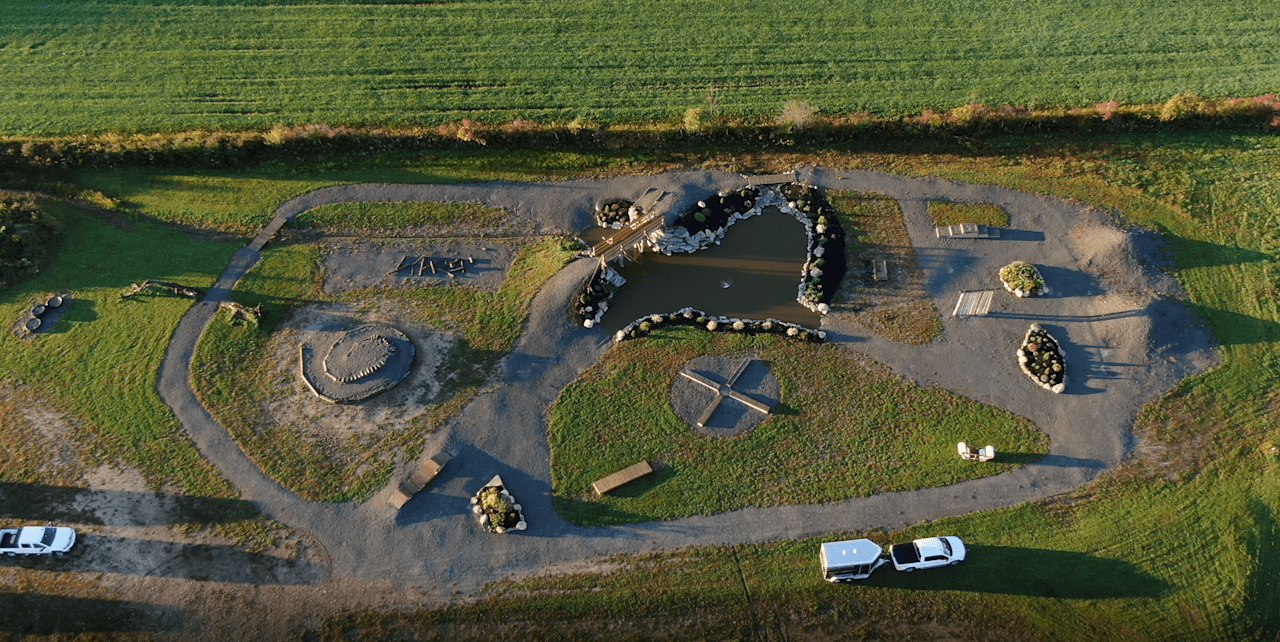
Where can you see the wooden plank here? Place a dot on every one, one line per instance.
(624, 476)
(771, 179)
(421, 476)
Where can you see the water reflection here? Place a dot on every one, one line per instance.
(753, 274)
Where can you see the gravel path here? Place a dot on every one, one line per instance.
(1127, 341)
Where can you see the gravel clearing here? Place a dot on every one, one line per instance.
(1125, 333)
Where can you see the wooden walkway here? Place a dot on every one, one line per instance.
(973, 303)
(633, 234)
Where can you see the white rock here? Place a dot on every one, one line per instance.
(821, 229)
(588, 323)
(823, 308)
(819, 251)
(1059, 387)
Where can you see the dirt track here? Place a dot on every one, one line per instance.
(1126, 338)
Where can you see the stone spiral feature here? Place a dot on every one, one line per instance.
(358, 364)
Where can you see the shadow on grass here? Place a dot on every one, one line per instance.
(1263, 590)
(1233, 328)
(177, 560)
(79, 505)
(25, 614)
(1193, 253)
(1036, 572)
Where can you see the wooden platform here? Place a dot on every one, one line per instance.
(771, 179)
(974, 303)
(624, 476)
(966, 231)
(633, 234)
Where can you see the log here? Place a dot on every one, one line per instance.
(238, 310)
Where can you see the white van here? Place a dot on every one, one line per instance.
(850, 560)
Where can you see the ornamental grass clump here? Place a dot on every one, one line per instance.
(1022, 279)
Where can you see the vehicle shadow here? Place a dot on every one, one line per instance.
(83, 506)
(1037, 572)
(26, 614)
(178, 560)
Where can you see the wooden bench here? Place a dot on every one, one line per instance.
(419, 479)
(624, 476)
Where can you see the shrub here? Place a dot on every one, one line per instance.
(797, 115)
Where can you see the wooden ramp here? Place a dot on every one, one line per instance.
(966, 231)
(771, 179)
(624, 476)
(973, 303)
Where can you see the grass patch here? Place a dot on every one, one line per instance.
(845, 427)
(382, 217)
(97, 365)
(948, 213)
(244, 201)
(899, 309)
(219, 65)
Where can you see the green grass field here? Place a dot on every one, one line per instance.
(71, 67)
(618, 413)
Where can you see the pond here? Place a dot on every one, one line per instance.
(753, 274)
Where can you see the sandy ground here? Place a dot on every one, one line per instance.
(318, 325)
(1127, 338)
(351, 264)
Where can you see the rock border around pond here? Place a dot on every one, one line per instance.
(1029, 353)
(694, 317)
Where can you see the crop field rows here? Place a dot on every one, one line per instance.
(70, 67)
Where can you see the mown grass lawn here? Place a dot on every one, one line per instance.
(845, 427)
(98, 364)
(71, 67)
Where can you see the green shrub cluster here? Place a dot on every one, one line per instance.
(27, 235)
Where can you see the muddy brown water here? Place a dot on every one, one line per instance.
(753, 274)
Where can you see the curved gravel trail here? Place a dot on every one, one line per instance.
(1124, 345)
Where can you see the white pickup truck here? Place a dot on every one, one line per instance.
(36, 540)
(929, 552)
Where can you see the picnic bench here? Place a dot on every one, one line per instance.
(624, 476)
(966, 231)
(980, 454)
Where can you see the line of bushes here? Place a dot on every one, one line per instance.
(289, 143)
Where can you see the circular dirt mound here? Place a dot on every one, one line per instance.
(361, 363)
(692, 397)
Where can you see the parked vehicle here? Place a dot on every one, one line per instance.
(419, 479)
(850, 560)
(929, 552)
(36, 540)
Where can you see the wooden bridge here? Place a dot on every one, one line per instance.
(636, 233)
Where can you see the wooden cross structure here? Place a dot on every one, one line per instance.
(724, 391)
